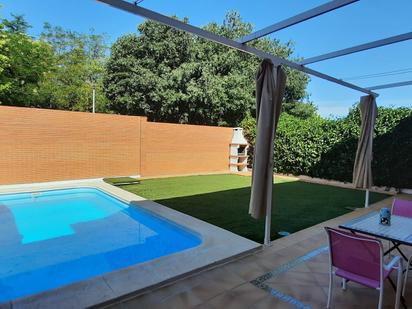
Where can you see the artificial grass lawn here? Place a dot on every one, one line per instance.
(223, 200)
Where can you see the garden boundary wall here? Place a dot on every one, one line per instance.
(39, 145)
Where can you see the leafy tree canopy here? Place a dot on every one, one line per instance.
(172, 76)
(4, 59)
(301, 110)
(23, 62)
(16, 25)
(58, 70)
(78, 65)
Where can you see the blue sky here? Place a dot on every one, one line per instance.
(361, 22)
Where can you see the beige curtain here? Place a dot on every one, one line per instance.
(362, 170)
(270, 88)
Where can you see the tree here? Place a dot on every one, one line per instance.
(169, 75)
(301, 110)
(58, 70)
(16, 25)
(77, 67)
(23, 63)
(4, 60)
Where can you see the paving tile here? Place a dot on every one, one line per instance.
(321, 258)
(293, 252)
(186, 299)
(247, 270)
(355, 296)
(301, 292)
(274, 260)
(322, 279)
(273, 248)
(243, 296)
(205, 306)
(313, 242)
(272, 302)
(293, 278)
(149, 300)
(225, 278)
(209, 289)
(317, 267)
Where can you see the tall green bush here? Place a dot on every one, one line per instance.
(326, 148)
(392, 164)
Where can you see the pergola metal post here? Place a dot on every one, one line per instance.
(268, 224)
(367, 198)
(94, 99)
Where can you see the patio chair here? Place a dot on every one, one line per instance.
(360, 259)
(403, 208)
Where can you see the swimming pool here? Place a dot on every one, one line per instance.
(53, 238)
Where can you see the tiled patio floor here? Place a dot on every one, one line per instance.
(292, 273)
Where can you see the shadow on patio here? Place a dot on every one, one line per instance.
(292, 273)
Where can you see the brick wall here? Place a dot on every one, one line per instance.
(47, 145)
(174, 149)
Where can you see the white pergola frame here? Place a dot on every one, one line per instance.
(358, 48)
(392, 85)
(312, 13)
(242, 46)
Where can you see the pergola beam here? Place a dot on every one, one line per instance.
(358, 48)
(392, 85)
(319, 10)
(168, 21)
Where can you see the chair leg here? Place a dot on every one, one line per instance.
(405, 281)
(380, 297)
(330, 289)
(399, 285)
(406, 276)
(344, 281)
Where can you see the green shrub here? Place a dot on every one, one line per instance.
(326, 148)
(392, 164)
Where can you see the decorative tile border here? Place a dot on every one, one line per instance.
(259, 282)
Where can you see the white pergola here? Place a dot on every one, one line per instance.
(241, 45)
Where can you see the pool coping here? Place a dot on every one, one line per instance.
(142, 277)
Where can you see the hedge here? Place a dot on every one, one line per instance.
(326, 148)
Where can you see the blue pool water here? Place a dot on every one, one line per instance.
(53, 238)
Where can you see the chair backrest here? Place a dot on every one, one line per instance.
(402, 208)
(359, 255)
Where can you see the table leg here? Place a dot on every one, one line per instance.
(400, 251)
(396, 246)
(394, 288)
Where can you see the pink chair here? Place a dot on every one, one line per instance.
(360, 259)
(403, 208)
